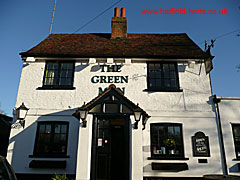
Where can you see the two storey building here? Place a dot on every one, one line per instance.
(117, 105)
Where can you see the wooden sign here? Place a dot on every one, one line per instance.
(200, 145)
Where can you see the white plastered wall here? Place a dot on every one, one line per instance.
(191, 107)
(230, 114)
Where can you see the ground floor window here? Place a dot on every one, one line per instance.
(166, 140)
(236, 137)
(51, 139)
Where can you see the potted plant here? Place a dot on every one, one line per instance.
(170, 145)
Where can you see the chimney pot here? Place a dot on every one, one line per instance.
(119, 24)
(122, 12)
(116, 12)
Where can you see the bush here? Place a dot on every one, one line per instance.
(60, 177)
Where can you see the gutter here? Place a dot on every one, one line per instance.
(227, 98)
(217, 100)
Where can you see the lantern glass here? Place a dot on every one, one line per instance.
(22, 112)
(83, 114)
(137, 115)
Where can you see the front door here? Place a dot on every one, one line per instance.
(110, 148)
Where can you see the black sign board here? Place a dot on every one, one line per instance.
(200, 145)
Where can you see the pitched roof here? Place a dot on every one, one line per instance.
(97, 99)
(101, 45)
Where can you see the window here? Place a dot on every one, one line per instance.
(163, 76)
(236, 137)
(166, 140)
(51, 139)
(58, 74)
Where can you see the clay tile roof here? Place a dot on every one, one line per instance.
(142, 45)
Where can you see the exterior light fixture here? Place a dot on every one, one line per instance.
(21, 113)
(83, 115)
(137, 115)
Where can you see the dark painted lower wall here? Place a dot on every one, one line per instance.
(173, 178)
(41, 176)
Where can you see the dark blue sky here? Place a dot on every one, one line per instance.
(25, 23)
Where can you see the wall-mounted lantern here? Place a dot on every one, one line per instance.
(21, 113)
(137, 115)
(83, 115)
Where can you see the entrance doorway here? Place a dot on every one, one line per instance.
(110, 148)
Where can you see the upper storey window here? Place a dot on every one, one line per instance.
(163, 76)
(236, 138)
(58, 74)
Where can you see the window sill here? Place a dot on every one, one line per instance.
(56, 88)
(49, 156)
(236, 159)
(48, 164)
(163, 90)
(167, 158)
(175, 167)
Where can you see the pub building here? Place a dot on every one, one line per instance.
(122, 106)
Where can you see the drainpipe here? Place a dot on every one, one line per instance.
(216, 101)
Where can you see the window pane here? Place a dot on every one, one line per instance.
(56, 138)
(55, 66)
(157, 67)
(69, 81)
(166, 73)
(41, 138)
(67, 66)
(236, 136)
(63, 128)
(44, 148)
(46, 138)
(151, 67)
(52, 66)
(170, 131)
(237, 131)
(165, 67)
(151, 74)
(55, 76)
(166, 145)
(158, 82)
(112, 108)
(166, 82)
(42, 128)
(63, 148)
(158, 75)
(51, 74)
(52, 136)
(172, 74)
(178, 140)
(172, 67)
(152, 83)
(173, 83)
(48, 128)
(177, 130)
(63, 74)
(51, 77)
(63, 138)
(63, 81)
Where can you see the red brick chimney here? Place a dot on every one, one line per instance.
(119, 24)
